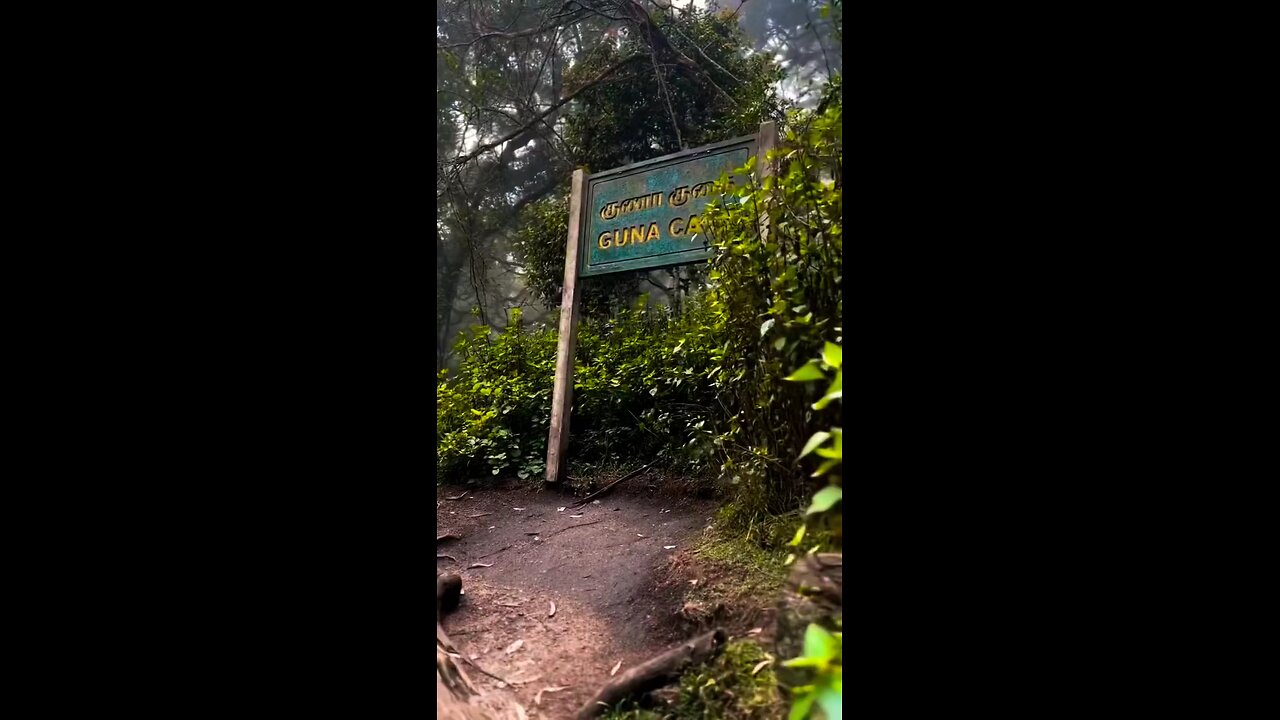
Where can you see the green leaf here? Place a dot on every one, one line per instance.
(818, 643)
(817, 439)
(777, 344)
(825, 498)
(835, 392)
(799, 536)
(800, 709)
(832, 354)
(764, 327)
(810, 371)
(826, 466)
(831, 702)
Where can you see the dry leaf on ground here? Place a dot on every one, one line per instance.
(553, 609)
(514, 646)
(614, 671)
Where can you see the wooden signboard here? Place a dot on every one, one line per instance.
(637, 217)
(647, 215)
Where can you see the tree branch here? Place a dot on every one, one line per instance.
(457, 162)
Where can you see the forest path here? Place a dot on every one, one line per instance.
(600, 565)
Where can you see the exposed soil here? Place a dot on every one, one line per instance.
(608, 573)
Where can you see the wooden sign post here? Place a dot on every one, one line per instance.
(637, 217)
(562, 393)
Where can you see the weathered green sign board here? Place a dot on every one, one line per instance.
(641, 216)
(648, 215)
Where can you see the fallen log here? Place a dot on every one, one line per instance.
(661, 670)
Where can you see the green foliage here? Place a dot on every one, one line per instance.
(774, 302)
(629, 119)
(493, 415)
(824, 656)
(639, 391)
(724, 688)
(539, 246)
(626, 120)
(823, 650)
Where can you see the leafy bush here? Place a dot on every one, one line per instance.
(639, 386)
(493, 415)
(823, 650)
(774, 299)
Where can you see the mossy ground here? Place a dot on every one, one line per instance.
(739, 570)
(739, 578)
(726, 688)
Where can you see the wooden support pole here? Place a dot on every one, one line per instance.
(768, 141)
(562, 393)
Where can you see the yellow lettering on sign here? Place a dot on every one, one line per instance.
(676, 227)
(603, 240)
(637, 234)
(653, 232)
(680, 196)
(619, 238)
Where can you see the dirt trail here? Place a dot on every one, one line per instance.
(599, 569)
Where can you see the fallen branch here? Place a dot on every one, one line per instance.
(476, 515)
(608, 487)
(593, 522)
(661, 670)
(447, 536)
(495, 552)
(459, 497)
(449, 557)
